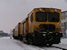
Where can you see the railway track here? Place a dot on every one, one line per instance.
(60, 47)
(56, 47)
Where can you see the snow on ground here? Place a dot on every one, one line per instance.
(63, 43)
(10, 44)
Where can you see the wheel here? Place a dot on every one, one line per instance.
(29, 39)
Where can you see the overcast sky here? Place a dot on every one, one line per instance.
(13, 11)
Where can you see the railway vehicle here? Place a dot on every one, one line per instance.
(17, 31)
(41, 27)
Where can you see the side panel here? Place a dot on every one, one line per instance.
(27, 25)
(24, 31)
(20, 26)
(21, 29)
(16, 31)
(31, 20)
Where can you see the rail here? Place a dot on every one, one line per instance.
(60, 47)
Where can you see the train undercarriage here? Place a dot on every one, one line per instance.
(41, 39)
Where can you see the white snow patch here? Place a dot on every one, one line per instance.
(10, 44)
(64, 41)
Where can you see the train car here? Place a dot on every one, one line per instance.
(17, 31)
(42, 27)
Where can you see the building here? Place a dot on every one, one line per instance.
(3, 34)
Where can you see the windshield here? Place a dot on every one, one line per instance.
(43, 16)
(53, 16)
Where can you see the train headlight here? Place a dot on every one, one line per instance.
(44, 34)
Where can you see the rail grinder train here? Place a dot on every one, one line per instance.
(41, 27)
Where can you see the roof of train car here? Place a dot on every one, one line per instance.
(46, 8)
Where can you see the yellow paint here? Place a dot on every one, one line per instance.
(36, 24)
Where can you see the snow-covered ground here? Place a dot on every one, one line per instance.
(63, 43)
(10, 44)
